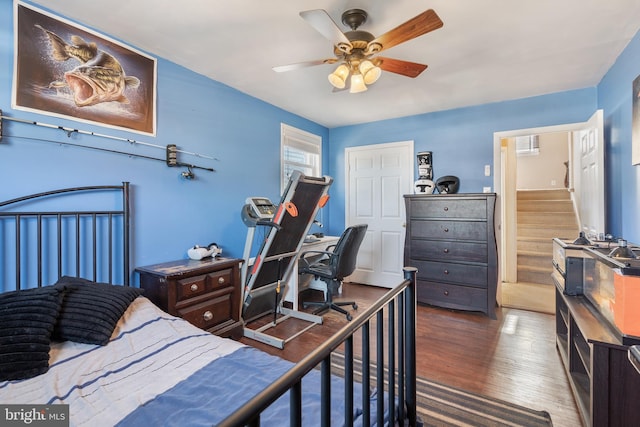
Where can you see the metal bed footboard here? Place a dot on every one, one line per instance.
(39, 245)
(399, 356)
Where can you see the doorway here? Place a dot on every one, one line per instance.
(586, 187)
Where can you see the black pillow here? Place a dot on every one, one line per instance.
(27, 319)
(90, 311)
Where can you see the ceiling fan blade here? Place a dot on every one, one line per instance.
(418, 25)
(398, 66)
(322, 22)
(298, 65)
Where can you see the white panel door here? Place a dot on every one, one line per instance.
(377, 177)
(590, 186)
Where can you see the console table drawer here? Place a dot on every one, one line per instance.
(450, 230)
(470, 275)
(448, 250)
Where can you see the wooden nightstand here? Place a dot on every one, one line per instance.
(206, 292)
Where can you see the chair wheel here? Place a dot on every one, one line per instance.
(349, 317)
(355, 306)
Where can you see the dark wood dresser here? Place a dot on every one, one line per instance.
(204, 292)
(451, 240)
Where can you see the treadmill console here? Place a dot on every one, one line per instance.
(261, 207)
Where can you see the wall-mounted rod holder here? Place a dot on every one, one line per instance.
(171, 149)
(70, 131)
(172, 155)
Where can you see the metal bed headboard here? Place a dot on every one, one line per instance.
(43, 245)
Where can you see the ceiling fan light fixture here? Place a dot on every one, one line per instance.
(357, 83)
(339, 77)
(370, 72)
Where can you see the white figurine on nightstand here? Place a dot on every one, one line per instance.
(198, 252)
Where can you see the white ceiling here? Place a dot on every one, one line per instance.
(487, 51)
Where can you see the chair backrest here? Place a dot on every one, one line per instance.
(343, 262)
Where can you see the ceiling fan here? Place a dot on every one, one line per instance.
(357, 50)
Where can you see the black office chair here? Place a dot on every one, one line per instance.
(340, 262)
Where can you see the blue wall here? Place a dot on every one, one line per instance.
(622, 179)
(461, 140)
(205, 116)
(170, 214)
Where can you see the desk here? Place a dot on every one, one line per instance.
(296, 284)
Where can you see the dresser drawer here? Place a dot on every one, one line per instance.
(439, 250)
(465, 274)
(209, 313)
(451, 296)
(449, 230)
(198, 285)
(445, 207)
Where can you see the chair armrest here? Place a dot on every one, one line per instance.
(306, 262)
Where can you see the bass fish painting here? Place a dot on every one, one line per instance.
(99, 78)
(66, 70)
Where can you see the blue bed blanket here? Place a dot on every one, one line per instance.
(221, 387)
(160, 370)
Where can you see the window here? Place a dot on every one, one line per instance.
(527, 145)
(301, 151)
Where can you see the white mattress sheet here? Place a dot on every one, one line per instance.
(150, 352)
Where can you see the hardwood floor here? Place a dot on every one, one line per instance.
(513, 358)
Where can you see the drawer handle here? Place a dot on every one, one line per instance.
(446, 250)
(446, 293)
(221, 280)
(207, 315)
(446, 209)
(194, 287)
(446, 272)
(446, 230)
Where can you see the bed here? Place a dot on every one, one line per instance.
(73, 332)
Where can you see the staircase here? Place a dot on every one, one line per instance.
(542, 215)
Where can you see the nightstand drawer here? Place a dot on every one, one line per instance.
(198, 285)
(209, 313)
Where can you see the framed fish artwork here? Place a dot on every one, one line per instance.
(66, 70)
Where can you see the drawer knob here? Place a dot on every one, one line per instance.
(446, 272)
(446, 250)
(207, 315)
(446, 293)
(446, 230)
(194, 287)
(446, 209)
(221, 280)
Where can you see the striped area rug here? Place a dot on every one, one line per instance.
(439, 405)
